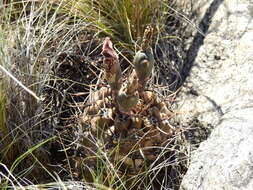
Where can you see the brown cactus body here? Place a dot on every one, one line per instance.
(126, 102)
(132, 121)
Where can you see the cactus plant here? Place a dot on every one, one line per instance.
(137, 118)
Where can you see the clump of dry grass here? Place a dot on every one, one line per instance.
(123, 21)
(58, 57)
(24, 41)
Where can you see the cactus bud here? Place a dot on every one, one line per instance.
(143, 64)
(113, 72)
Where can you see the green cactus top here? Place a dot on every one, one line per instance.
(143, 63)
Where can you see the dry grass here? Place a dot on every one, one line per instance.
(123, 21)
(41, 45)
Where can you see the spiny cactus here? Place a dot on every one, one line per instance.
(132, 121)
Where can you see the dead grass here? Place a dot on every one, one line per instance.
(54, 51)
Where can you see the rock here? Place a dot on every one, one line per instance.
(225, 160)
(219, 80)
(219, 91)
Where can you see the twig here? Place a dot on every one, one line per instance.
(19, 83)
